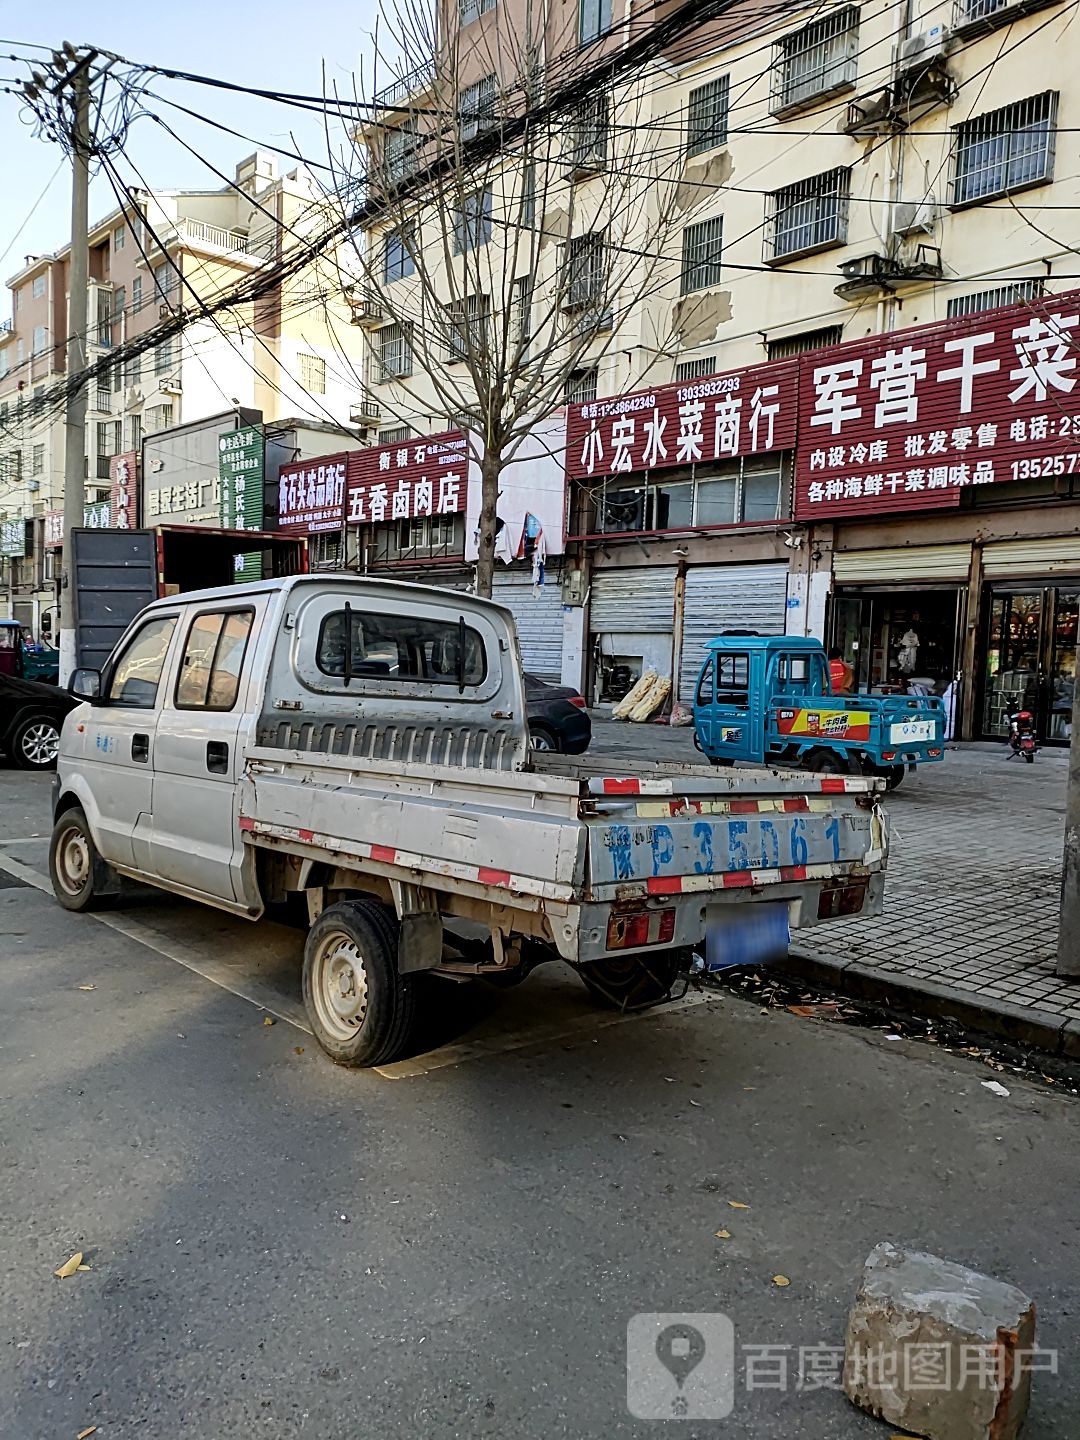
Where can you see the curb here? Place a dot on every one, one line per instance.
(1038, 1029)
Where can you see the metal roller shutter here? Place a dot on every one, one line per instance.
(639, 602)
(728, 597)
(1057, 556)
(539, 621)
(904, 562)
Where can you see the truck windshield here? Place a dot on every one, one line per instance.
(400, 647)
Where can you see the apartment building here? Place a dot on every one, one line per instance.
(290, 354)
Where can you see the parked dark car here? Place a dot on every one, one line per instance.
(31, 715)
(557, 717)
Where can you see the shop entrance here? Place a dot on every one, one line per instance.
(900, 640)
(1030, 654)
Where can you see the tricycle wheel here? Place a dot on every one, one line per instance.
(826, 762)
(81, 880)
(631, 981)
(362, 1010)
(893, 775)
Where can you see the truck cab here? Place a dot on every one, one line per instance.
(768, 699)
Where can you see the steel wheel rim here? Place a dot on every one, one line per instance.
(41, 743)
(73, 861)
(339, 986)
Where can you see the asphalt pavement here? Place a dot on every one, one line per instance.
(454, 1246)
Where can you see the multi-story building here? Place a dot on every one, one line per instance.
(820, 181)
(289, 354)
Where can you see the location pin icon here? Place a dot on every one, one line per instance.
(680, 1349)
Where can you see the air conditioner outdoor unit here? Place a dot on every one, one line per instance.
(364, 412)
(915, 217)
(367, 307)
(171, 386)
(869, 114)
(164, 312)
(920, 51)
(589, 160)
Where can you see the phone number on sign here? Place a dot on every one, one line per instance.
(1045, 465)
(725, 386)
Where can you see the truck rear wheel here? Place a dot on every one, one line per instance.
(631, 981)
(361, 1008)
(826, 762)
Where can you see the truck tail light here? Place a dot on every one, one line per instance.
(935, 751)
(643, 927)
(578, 700)
(888, 754)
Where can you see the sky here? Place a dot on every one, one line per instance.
(269, 44)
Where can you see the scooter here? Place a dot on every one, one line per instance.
(1022, 739)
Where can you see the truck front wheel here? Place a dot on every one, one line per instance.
(361, 1008)
(81, 879)
(631, 981)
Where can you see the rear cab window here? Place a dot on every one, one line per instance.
(399, 649)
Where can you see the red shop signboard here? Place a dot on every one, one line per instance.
(719, 417)
(907, 421)
(414, 477)
(311, 494)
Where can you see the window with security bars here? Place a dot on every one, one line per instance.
(809, 215)
(586, 265)
(472, 221)
(528, 195)
(469, 10)
(581, 386)
(393, 433)
(695, 369)
(701, 250)
(476, 111)
(394, 352)
(469, 327)
(1004, 150)
(324, 551)
(981, 16)
(990, 299)
(806, 340)
(163, 357)
(399, 150)
(589, 136)
(37, 462)
(313, 374)
(707, 116)
(817, 60)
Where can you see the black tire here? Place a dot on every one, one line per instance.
(1029, 756)
(352, 943)
(893, 775)
(632, 982)
(81, 879)
(826, 762)
(544, 739)
(35, 743)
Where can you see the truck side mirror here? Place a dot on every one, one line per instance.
(85, 685)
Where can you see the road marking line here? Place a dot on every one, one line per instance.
(24, 872)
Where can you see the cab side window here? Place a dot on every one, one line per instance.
(137, 673)
(213, 659)
(733, 679)
(705, 686)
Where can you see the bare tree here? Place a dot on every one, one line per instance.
(502, 259)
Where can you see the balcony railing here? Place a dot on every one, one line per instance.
(234, 241)
(5, 326)
(406, 85)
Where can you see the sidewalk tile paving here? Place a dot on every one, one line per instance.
(974, 877)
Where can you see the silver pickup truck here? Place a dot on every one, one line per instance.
(364, 744)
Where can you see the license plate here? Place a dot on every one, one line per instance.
(911, 730)
(745, 934)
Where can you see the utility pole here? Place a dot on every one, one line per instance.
(78, 301)
(1068, 956)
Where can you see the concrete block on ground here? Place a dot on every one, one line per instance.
(939, 1350)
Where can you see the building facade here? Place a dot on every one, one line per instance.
(291, 354)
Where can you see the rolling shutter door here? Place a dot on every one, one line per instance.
(539, 620)
(639, 602)
(903, 562)
(1057, 556)
(728, 597)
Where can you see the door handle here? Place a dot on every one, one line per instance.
(140, 748)
(217, 757)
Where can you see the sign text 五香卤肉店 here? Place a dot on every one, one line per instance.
(401, 481)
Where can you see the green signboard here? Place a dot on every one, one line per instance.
(97, 516)
(241, 469)
(12, 537)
